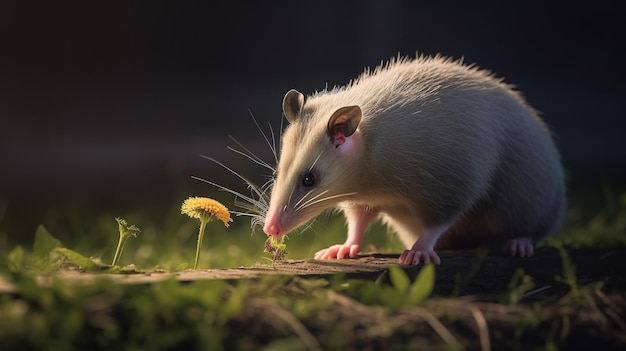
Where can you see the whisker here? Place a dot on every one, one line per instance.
(247, 214)
(258, 207)
(264, 135)
(290, 196)
(305, 227)
(305, 196)
(253, 186)
(268, 184)
(308, 203)
(256, 204)
(273, 146)
(236, 193)
(258, 220)
(305, 204)
(249, 154)
(317, 159)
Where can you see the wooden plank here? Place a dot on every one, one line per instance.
(461, 272)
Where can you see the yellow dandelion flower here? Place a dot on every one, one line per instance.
(204, 208)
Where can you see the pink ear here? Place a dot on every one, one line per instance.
(344, 144)
(341, 126)
(339, 138)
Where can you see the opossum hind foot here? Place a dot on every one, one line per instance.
(522, 247)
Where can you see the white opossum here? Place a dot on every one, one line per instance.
(437, 148)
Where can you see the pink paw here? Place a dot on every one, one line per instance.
(415, 257)
(338, 252)
(522, 247)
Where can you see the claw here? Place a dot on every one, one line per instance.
(522, 247)
(415, 257)
(337, 251)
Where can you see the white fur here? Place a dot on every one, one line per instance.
(441, 148)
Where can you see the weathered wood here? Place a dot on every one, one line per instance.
(461, 272)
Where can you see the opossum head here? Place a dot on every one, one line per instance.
(318, 161)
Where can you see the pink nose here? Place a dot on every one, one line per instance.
(272, 229)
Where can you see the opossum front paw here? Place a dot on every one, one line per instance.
(522, 247)
(338, 251)
(415, 257)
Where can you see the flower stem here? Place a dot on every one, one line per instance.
(126, 231)
(118, 251)
(203, 223)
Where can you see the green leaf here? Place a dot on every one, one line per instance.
(568, 276)
(181, 267)
(44, 244)
(82, 261)
(399, 279)
(16, 260)
(526, 284)
(128, 269)
(520, 284)
(423, 285)
(125, 229)
(45, 258)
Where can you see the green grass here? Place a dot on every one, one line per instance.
(169, 241)
(599, 228)
(275, 313)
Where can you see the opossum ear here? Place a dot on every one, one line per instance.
(343, 123)
(292, 104)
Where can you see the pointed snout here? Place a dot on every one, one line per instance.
(272, 229)
(272, 225)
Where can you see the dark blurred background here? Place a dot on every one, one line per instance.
(110, 103)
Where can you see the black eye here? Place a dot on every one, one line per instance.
(308, 179)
